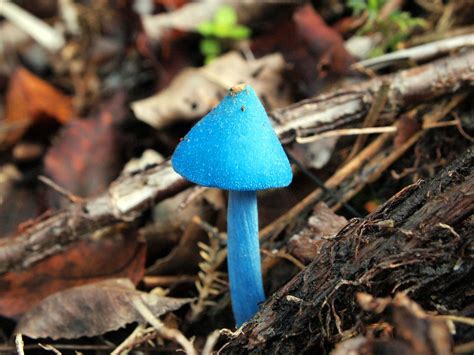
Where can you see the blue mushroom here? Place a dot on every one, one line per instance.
(235, 148)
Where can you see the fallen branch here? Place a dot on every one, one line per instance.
(421, 52)
(49, 37)
(402, 246)
(135, 192)
(350, 104)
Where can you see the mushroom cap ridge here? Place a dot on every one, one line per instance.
(234, 147)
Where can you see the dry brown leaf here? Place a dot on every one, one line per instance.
(195, 91)
(404, 328)
(114, 255)
(86, 157)
(324, 44)
(189, 16)
(92, 310)
(324, 223)
(170, 218)
(30, 98)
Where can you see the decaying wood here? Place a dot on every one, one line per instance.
(419, 242)
(125, 199)
(133, 193)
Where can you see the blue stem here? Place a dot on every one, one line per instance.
(243, 255)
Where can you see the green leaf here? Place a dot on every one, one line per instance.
(206, 29)
(210, 47)
(357, 6)
(226, 16)
(240, 32)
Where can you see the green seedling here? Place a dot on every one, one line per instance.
(223, 28)
(397, 27)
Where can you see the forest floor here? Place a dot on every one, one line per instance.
(104, 248)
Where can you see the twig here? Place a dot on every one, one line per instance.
(283, 255)
(374, 113)
(346, 132)
(166, 281)
(369, 130)
(211, 342)
(51, 348)
(163, 330)
(61, 190)
(461, 130)
(422, 52)
(19, 344)
(320, 184)
(457, 319)
(41, 32)
(129, 342)
(466, 348)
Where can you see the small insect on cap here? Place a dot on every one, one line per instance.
(234, 147)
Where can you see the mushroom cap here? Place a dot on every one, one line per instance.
(234, 147)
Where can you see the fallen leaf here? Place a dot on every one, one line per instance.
(407, 126)
(86, 155)
(323, 223)
(113, 255)
(403, 327)
(184, 257)
(30, 98)
(92, 310)
(324, 44)
(314, 50)
(195, 91)
(316, 154)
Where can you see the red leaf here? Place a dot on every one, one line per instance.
(30, 98)
(85, 158)
(325, 44)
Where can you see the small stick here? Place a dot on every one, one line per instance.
(368, 130)
(130, 341)
(61, 190)
(51, 348)
(211, 342)
(166, 281)
(457, 319)
(39, 30)
(422, 52)
(19, 344)
(163, 330)
(286, 256)
(374, 113)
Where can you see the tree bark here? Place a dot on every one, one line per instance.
(421, 242)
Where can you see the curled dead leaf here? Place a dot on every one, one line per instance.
(323, 223)
(195, 91)
(114, 255)
(92, 310)
(403, 328)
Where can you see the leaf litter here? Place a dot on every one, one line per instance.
(73, 250)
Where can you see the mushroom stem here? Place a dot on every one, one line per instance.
(243, 255)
